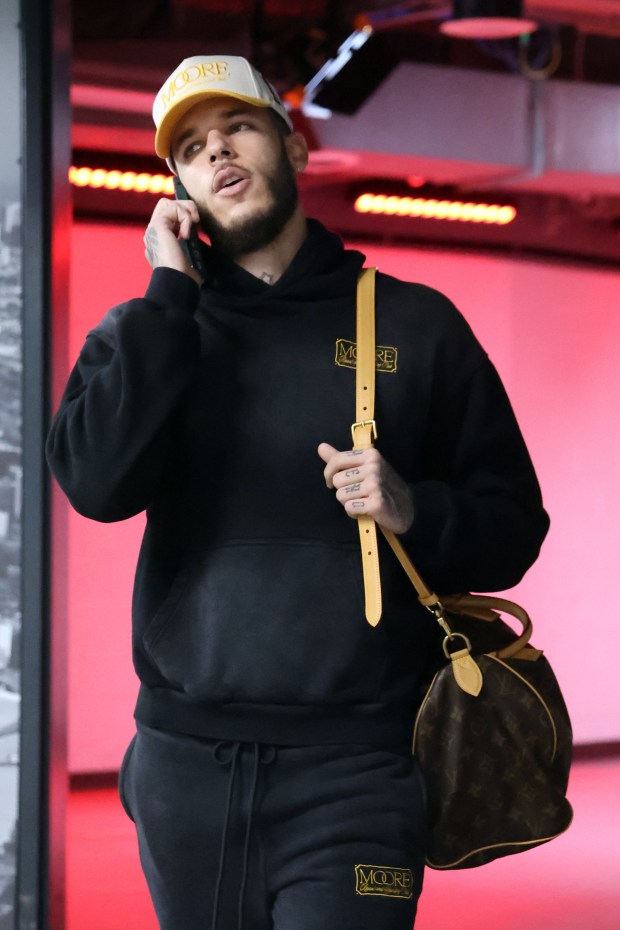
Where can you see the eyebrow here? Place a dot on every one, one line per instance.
(193, 130)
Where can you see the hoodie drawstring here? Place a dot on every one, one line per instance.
(226, 753)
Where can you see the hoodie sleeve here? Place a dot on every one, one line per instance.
(107, 444)
(479, 520)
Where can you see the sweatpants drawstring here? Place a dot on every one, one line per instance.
(261, 754)
(248, 829)
(223, 760)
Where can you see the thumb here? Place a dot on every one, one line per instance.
(326, 451)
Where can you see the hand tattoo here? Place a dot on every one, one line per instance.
(351, 472)
(359, 504)
(353, 488)
(152, 247)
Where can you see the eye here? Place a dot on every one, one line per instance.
(191, 149)
(241, 126)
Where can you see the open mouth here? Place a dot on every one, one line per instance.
(229, 180)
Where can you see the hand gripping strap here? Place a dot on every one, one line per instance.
(364, 432)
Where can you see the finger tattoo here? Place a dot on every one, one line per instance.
(358, 504)
(353, 488)
(351, 472)
(356, 452)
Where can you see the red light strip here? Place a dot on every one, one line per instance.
(433, 209)
(121, 180)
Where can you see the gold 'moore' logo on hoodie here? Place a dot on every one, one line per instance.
(346, 356)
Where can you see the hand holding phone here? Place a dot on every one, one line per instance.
(191, 245)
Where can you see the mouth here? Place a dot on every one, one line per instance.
(230, 180)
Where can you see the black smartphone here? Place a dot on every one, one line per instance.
(190, 246)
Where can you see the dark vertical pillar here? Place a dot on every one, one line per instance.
(45, 53)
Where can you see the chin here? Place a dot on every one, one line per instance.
(250, 226)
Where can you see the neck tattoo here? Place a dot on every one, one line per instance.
(267, 278)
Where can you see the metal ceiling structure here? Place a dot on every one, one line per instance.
(535, 119)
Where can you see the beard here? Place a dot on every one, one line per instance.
(252, 233)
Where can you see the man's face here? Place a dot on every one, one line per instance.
(239, 172)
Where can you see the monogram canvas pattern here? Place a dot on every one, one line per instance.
(496, 765)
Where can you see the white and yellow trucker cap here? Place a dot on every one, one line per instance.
(207, 76)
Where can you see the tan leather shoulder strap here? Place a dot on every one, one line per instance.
(364, 433)
(366, 355)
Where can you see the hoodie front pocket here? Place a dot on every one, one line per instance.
(168, 607)
(269, 622)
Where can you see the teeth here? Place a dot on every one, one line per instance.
(232, 181)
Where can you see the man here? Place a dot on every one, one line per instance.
(270, 779)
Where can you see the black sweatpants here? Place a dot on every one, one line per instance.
(242, 836)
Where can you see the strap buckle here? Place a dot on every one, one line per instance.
(362, 423)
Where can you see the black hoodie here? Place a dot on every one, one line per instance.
(205, 407)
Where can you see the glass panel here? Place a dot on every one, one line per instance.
(10, 452)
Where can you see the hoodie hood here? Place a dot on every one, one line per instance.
(321, 269)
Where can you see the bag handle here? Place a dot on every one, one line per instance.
(364, 431)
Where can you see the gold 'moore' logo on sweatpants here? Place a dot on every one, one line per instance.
(383, 880)
(346, 356)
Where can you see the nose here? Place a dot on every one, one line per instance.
(218, 146)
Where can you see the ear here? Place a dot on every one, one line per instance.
(297, 150)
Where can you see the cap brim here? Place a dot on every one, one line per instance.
(165, 130)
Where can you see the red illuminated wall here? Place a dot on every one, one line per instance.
(107, 266)
(553, 331)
